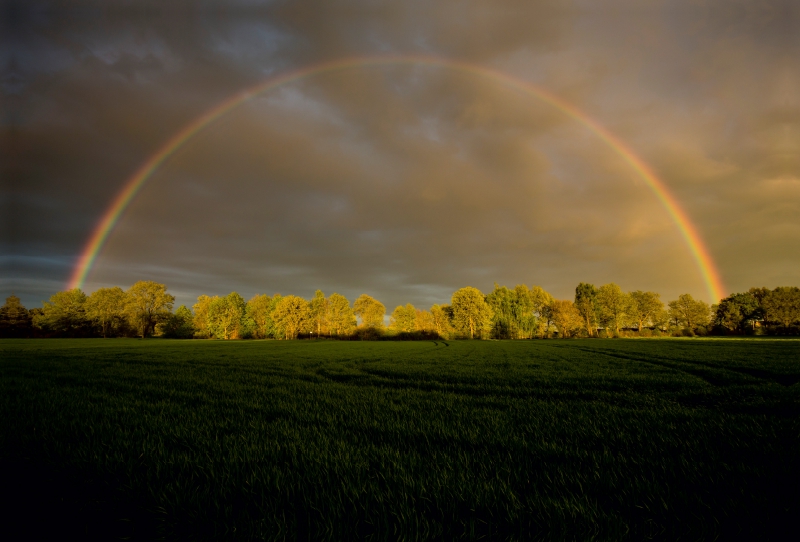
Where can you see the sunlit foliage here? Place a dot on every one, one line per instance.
(472, 316)
(370, 311)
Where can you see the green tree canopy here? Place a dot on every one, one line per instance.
(506, 315)
(441, 320)
(585, 304)
(319, 313)
(106, 308)
(179, 325)
(541, 302)
(471, 314)
(292, 314)
(370, 311)
(689, 312)
(200, 310)
(341, 319)
(259, 311)
(225, 316)
(737, 310)
(404, 319)
(147, 304)
(566, 317)
(645, 308)
(523, 312)
(614, 306)
(782, 306)
(64, 313)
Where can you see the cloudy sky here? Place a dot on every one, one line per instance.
(405, 181)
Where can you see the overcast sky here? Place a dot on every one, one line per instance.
(405, 182)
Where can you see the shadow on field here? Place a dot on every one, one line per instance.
(40, 503)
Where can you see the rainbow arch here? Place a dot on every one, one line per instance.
(133, 185)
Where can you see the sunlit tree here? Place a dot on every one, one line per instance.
(565, 317)
(645, 308)
(403, 319)
(424, 321)
(259, 311)
(225, 315)
(106, 308)
(147, 304)
(341, 319)
(442, 320)
(292, 314)
(689, 312)
(319, 313)
(200, 310)
(370, 311)
(585, 303)
(505, 313)
(541, 301)
(523, 312)
(613, 307)
(471, 314)
(64, 313)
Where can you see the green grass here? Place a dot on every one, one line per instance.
(579, 439)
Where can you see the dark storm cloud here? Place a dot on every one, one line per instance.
(405, 182)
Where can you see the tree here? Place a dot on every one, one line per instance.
(566, 317)
(370, 311)
(292, 314)
(404, 319)
(200, 310)
(782, 306)
(471, 313)
(341, 319)
(541, 301)
(441, 316)
(147, 304)
(259, 311)
(424, 321)
(178, 325)
(15, 319)
(614, 306)
(523, 312)
(319, 312)
(106, 308)
(64, 313)
(225, 316)
(585, 304)
(645, 307)
(737, 310)
(689, 312)
(505, 317)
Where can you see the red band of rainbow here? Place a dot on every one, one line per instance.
(132, 186)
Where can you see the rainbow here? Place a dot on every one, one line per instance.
(134, 184)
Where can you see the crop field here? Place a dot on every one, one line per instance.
(313, 440)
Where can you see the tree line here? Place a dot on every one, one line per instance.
(146, 309)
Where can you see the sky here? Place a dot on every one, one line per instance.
(403, 180)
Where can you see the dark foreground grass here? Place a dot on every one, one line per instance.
(603, 439)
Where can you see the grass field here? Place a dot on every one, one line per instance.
(577, 439)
